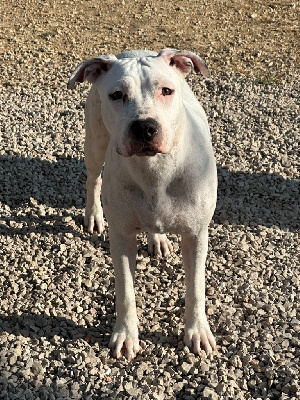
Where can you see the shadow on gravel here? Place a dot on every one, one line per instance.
(36, 326)
(56, 184)
(36, 185)
(258, 199)
(60, 332)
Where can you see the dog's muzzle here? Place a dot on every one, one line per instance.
(144, 135)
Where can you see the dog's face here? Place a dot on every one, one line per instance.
(141, 102)
(141, 105)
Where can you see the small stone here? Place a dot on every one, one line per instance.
(210, 291)
(204, 367)
(252, 384)
(37, 368)
(75, 390)
(285, 344)
(55, 340)
(18, 351)
(12, 359)
(236, 361)
(220, 388)
(286, 162)
(243, 384)
(67, 219)
(87, 282)
(130, 389)
(286, 388)
(209, 394)
(295, 387)
(139, 373)
(185, 368)
(269, 373)
(88, 254)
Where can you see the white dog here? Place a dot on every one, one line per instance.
(143, 120)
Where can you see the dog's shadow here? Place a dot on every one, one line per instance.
(253, 199)
(31, 183)
(37, 326)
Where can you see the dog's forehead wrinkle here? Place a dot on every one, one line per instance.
(139, 75)
(125, 82)
(146, 61)
(124, 72)
(146, 70)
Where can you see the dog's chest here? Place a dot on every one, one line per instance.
(158, 202)
(159, 211)
(154, 213)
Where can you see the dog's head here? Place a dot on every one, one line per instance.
(141, 102)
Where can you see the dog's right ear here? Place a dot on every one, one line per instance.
(89, 70)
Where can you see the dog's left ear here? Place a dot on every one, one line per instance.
(90, 70)
(184, 61)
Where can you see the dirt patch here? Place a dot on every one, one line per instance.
(257, 39)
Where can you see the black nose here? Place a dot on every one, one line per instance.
(144, 129)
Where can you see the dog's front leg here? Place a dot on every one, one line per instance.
(96, 141)
(124, 339)
(197, 331)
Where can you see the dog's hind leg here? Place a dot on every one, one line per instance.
(159, 245)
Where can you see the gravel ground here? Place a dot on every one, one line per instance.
(57, 284)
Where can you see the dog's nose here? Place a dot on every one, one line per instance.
(144, 129)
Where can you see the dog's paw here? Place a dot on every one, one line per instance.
(159, 245)
(199, 337)
(124, 341)
(94, 220)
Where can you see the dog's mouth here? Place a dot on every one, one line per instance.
(140, 149)
(147, 151)
(141, 152)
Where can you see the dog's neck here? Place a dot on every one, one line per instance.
(152, 174)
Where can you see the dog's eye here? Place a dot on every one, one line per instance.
(166, 91)
(116, 95)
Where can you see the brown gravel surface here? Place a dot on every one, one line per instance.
(253, 38)
(56, 281)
